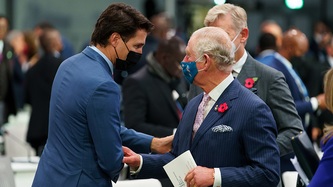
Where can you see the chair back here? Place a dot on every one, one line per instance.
(305, 153)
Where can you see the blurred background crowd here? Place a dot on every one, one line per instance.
(69, 25)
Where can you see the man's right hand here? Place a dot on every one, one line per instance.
(131, 158)
(161, 145)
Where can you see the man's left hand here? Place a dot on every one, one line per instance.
(200, 177)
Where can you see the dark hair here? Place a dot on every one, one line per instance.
(44, 25)
(267, 41)
(120, 18)
(46, 39)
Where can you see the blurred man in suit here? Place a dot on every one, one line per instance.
(38, 84)
(155, 96)
(229, 149)
(67, 49)
(295, 44)
(266, 47)
(84, 145)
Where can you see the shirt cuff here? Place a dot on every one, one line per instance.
(174, 131)
(314, 103)
(134, 172)
(217, 178)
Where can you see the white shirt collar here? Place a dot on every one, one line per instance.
(219, 89)
(239, 64)
(283, 60)
(105, 58)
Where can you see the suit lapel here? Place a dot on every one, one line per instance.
(248, 70)
(230, 93)
(188, 121)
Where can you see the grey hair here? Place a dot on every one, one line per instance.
(216, 43)
(13, 34)
(237, 13)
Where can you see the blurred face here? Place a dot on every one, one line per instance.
(302, 46)
(275, 30)
(173, 67)
(57, 41)
(3, 28)
(18, 43)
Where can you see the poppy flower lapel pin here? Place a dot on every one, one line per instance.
(221, 108)
(249, 82)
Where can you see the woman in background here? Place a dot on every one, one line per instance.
(324, 174)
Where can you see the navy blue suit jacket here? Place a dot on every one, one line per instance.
(247, 156)
(84, 143)
(302, 106)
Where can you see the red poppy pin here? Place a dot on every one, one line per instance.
(221, 108)
(249, 82)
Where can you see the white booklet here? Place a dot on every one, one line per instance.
(179, 167)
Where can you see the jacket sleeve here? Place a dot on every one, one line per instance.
(138, 142)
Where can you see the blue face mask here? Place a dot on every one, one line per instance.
(190, 70)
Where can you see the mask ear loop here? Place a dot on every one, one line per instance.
(198, 59)
(116, 51)
(125, 44)
(233, 46)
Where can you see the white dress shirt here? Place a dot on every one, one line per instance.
(237, 67)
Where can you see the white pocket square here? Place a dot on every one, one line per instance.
(222, 128)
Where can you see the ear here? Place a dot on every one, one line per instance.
(114, 39)
(245, 34)
(207, 61)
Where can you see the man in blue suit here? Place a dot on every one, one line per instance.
(84, 146)
(295, 44)
(230, 131)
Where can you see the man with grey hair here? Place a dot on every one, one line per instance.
(229, 149)
(268, 83)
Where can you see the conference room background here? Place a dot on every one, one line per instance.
(76, 18)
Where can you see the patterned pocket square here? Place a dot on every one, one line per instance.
(222, 128)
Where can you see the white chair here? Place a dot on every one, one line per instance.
(6, 173)
(138, 182)
(289, 178)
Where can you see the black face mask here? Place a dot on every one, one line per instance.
(131, 60)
